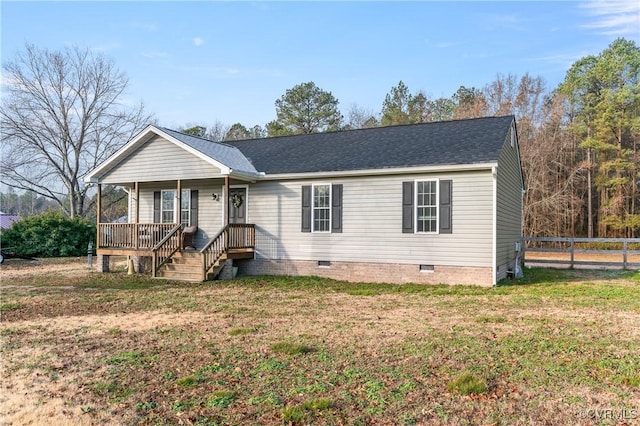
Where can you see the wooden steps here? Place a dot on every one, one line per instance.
(186, 265)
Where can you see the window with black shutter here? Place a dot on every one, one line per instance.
(445, 206)
(426, 206)
(322, 208)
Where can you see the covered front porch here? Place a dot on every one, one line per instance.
(169, 250)
(187, 202)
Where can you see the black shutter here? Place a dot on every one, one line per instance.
(445, 206)
(407, 207)
(306, 208)
(194, 207)
(336, 208)
(156, 207)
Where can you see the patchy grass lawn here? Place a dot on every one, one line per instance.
(85, 348)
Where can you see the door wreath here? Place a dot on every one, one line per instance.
(236, 200)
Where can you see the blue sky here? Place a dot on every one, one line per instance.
(201, 62)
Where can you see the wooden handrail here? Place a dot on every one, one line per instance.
(134, 236)
(167, 246)
(213, 250)
(232, 236)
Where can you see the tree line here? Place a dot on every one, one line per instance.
(578, 141)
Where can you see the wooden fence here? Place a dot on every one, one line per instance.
(570, 252)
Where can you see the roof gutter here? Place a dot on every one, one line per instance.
(381, 172)
(247, 176)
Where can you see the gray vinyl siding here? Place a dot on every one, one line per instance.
(159, 160)
(509, 207)
(372, 222)
(209, 211)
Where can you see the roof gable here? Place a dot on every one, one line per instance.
(228, 159)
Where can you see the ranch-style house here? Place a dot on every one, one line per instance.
(437, 202)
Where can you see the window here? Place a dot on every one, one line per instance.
(185, 208)
(427, 206)
(168, 209)
(321, 208)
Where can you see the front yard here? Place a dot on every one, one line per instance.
(86, 348)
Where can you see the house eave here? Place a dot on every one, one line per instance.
(245, 176)
(382, 171)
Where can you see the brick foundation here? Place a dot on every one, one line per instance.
(394, 273)
(102, 263)
(226, 273)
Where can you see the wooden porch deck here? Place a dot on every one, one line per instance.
(162, 242)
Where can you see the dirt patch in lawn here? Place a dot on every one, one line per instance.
(12, 268)
(69, 267)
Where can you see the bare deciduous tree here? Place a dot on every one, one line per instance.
(360, 118)
(62, 114)
(217, 131)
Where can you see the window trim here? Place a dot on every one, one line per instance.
(188, 209)
(313, 208)
(173, 207)
(417, 206)
(176, 210)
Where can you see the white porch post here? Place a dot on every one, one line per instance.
(179, 194)
(227, 191)
(137, 215)
(98, 214)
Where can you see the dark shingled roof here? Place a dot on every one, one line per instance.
(456, 142)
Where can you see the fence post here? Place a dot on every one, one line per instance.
(572, 255)
(624, 255)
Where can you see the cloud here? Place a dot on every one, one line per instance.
(198, 41)
(616, 17)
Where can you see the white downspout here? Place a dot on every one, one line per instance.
(494, 254)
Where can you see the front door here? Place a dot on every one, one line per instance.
(238, 205)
